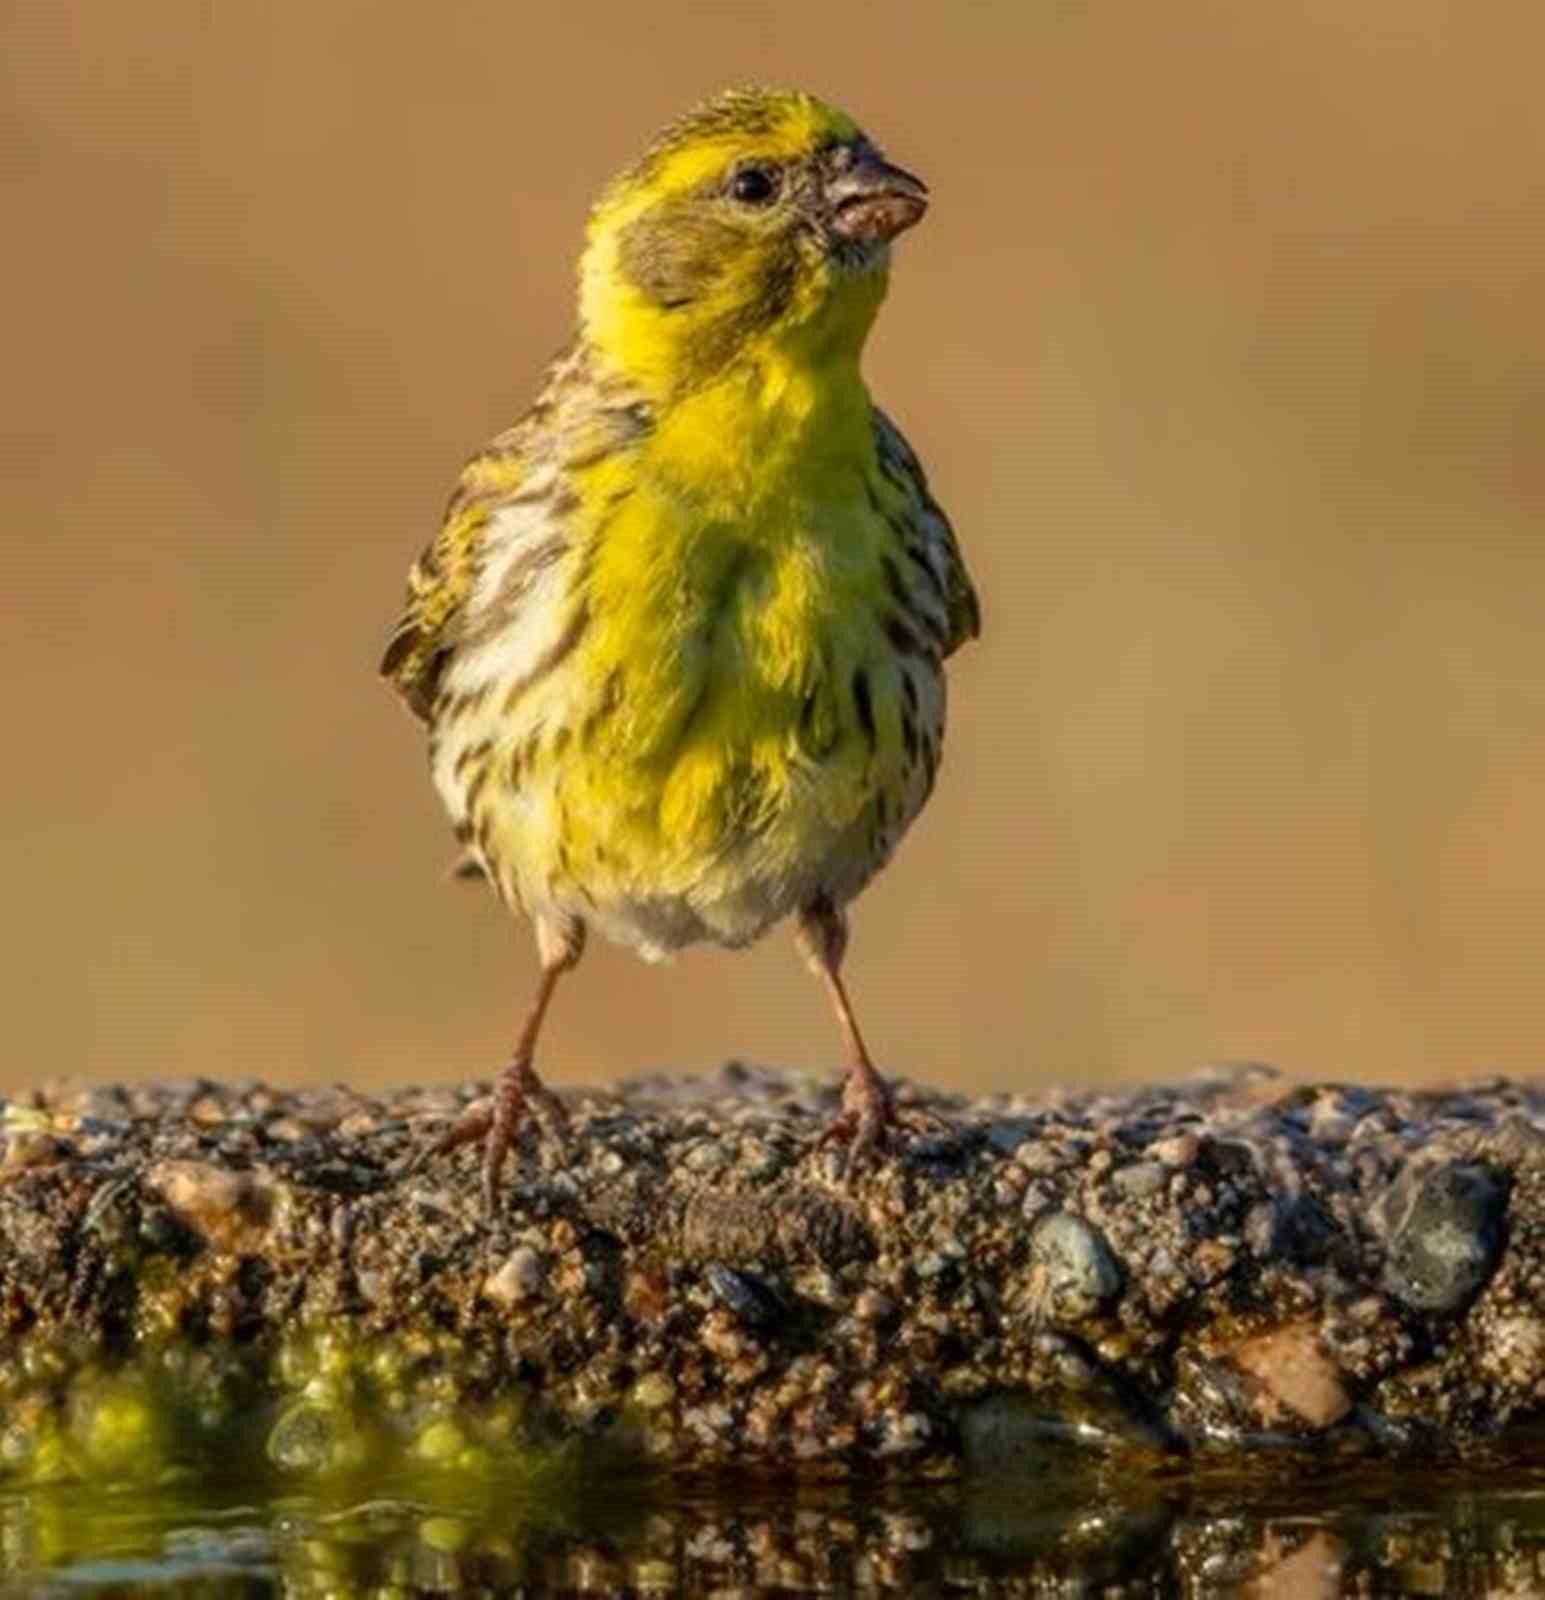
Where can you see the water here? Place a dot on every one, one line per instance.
(1051, 1529)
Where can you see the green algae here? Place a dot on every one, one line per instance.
(312, 1409)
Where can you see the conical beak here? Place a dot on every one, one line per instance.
(871, 200)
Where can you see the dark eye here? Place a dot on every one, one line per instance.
(754, 186)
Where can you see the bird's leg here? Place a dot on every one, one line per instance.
(517, 1089)
(868, 1107)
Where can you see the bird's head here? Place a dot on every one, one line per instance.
(758, 225)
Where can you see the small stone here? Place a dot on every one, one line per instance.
(208, 1111)
(1296, 1379)
(708, 1156)
(904, 1434)
(1040, 1155)
(1445, 1234)
(1261, 1229)
(1077, 1272)
(822, 1286)
(520, 1278)
(654, 1391)
(1212, 1260)
(1514, 1352)
(754, 1304)
(872, 1306)
(1328, 1122)
(28, 1147)
(1141, 1179)
(231, 1210)
(1179, 1150)
(1007, 1134)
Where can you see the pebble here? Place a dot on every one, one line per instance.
(520, 1278)
(1141, 1179)
(755, 1305)
(1078, 1273)
(654, 1391)
(1179, 1151)
(872, 1306)
(708, 1156)
(902, 1435)
(231, 1210)
(1040, 1155)
(1296, 1379)
(1445, 1234)
(27, 1147)
(1005, 1135)
(1515, 1351)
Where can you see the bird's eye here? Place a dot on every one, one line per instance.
(754, 186)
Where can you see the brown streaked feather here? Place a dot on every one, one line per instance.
(442, 578)
(579, 417)
(930, 540)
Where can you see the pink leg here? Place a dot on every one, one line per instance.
(517, 1090)
(868, 1108)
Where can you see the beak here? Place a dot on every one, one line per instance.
(869, 200)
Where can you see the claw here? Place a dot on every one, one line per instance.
(551, 1112)
(471, 1125)
(865, 1121)
(518, 1094)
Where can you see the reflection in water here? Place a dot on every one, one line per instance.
(1052, 1530)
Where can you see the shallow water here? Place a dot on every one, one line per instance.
(1052, 1528)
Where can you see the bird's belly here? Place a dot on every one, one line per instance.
(759, 800)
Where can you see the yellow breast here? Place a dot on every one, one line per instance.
(730, 726)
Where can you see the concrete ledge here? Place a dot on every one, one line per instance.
(1225, 1269)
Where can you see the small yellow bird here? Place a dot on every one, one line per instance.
(679, 642)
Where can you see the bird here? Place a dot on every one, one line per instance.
(679, 642)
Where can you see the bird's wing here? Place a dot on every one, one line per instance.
(441, 581)
(931, 542)
(578, 418)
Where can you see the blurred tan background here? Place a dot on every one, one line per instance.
(1223, 343)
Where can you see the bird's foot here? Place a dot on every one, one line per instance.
(518, 1094)
(868, 1119)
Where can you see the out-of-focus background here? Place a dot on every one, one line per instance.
(1223, 342)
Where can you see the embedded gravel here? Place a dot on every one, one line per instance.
(1228, 1268)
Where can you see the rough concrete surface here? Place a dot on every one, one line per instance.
(1226, 1269)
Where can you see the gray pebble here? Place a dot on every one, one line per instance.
(1006, 1134)
(1078, 1272)
(1445, 1234)
(1141, 1179)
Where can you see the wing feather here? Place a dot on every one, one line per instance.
(577, 418)
(441, 581)
(933, 547)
